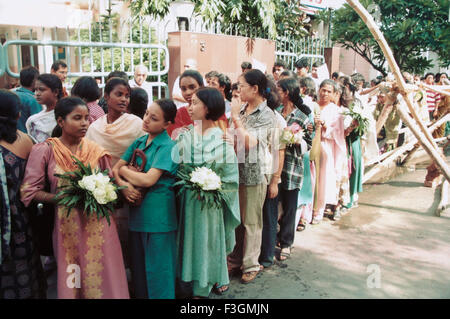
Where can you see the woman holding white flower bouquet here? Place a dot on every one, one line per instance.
(152, 224)
(84, 246)
(296, 115)
(208, 200)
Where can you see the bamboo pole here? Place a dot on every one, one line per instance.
(425, 139)
(425, 144)
(373, 28)
(433, 88)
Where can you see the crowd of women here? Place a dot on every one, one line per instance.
(172, 244)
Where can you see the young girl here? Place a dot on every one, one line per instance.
(48, 91)
(86, 88)
(294, 111)
(153, 224)
(190, 81)
(116, 130)
(87, 242)
(206, 234)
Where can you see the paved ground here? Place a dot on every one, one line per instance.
(394, 230)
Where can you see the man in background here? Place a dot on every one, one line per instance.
(246, 66)
(302, 67)
(278, 68)
(28, 103)
(59, 68)
(139, 80)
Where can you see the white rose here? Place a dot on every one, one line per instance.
(195, 178)
(212, 181)
(205, 178)
(111, 196)
(88, 183)
(100, 195)
(298, 137)
(101, 180)
(110, 192)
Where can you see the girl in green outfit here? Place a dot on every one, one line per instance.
(206, 234)
(152, 224)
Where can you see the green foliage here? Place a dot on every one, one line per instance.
(271, 17)
(410, 27)
(153, 8)
(290, 19)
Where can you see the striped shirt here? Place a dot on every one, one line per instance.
(95, 111)
(433, 99)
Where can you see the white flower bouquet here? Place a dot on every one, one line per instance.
(91, 191)
(292, 135)
(204, 182)
(356, 112)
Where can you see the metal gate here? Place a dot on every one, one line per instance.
(94, 50)
(290, 50)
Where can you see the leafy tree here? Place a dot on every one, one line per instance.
(272, 17)
(411, 27)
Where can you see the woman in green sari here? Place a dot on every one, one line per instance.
(206, 233)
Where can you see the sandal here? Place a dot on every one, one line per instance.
(220, 289)
(301, 226)
(285, 253)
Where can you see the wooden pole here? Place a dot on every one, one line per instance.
(433, 88)
(425, 139)
(424, 142)
(373, 28)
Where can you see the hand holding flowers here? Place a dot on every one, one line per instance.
(292, 135)
(204, 182)
(360, 122)
(90, 191)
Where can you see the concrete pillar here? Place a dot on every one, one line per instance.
(332, 59)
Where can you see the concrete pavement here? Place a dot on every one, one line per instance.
(393, 233)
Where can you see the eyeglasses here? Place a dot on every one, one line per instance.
(242, 85)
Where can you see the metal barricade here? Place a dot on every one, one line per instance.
(103, 56)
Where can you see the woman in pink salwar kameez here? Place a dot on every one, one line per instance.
(332, 150)
(82, 245)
